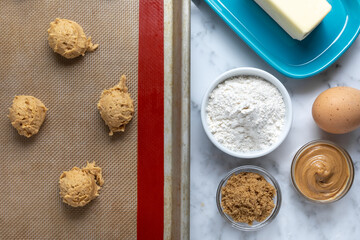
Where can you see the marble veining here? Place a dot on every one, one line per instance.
(215, 48)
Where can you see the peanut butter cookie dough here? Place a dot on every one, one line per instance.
(68, 39)
(116, 107)
(247, 197)
(79, 186)
(27, 114)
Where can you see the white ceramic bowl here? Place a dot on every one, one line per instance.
(252, 72)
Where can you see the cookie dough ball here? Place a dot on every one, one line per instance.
(116, 107)
(79, 186)
(27, 114)
(68, 39)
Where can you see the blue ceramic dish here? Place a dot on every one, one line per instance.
(293, 58)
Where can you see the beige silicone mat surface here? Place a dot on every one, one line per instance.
(73, 132)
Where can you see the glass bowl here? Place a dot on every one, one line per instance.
(348, 160)
(277, 199)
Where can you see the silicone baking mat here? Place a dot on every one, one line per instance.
(73, 132)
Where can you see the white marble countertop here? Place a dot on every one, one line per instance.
(215, 48)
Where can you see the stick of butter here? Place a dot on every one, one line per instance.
(297, 17)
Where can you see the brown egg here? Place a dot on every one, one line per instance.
(337, 110)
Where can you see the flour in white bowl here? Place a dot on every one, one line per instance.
(246, 114)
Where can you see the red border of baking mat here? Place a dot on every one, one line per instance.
(150, 215)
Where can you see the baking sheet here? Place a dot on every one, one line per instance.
(73, 132)
(177, 119)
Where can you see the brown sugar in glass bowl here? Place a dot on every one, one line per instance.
(262, 212)
(322, 171)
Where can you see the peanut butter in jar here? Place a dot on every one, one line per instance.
(322, 171)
